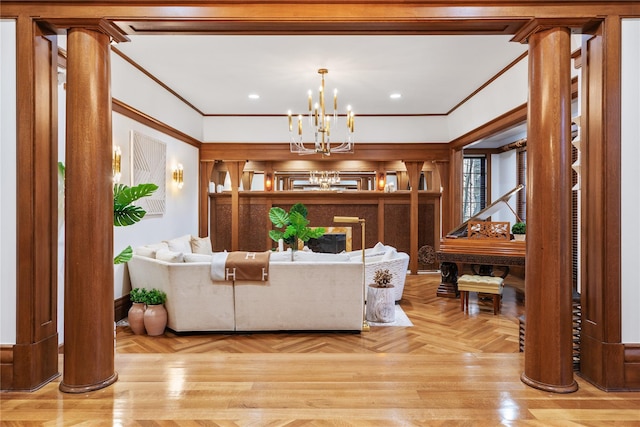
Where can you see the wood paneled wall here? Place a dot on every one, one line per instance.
(387, 215)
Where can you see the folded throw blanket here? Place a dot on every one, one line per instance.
(252, 266)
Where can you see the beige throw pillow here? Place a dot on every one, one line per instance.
(180, 244)
(201, 245)
(169, 256)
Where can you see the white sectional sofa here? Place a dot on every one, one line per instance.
(315, 292)
(384, 257)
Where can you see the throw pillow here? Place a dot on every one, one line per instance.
(201, 245)
(150, 250)
(389, 254)
(180, 244)
(169, 256)
(197, 258)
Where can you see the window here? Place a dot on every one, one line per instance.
(474, 185)
(521, 197)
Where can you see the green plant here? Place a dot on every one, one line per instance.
(126, 213)
(519, 228)
(155, 297)
(382, 278)
(138, 295)
(294, 225)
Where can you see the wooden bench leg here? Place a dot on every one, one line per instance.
(496, 303)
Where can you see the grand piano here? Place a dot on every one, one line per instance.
(458, 247)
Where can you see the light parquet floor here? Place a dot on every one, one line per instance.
(449, 369)
(439, 327)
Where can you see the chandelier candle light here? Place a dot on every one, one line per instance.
(322, 125)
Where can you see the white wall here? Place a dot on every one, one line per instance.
(8, 262)
(367, 129)
(630, 176)
(131, 86)
(503, 94)
(181, 215)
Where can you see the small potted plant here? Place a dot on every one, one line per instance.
(155, 316)
(138, 297)
(380, 298)
(519, 230)
(294, 225)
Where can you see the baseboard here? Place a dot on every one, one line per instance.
(121, 307)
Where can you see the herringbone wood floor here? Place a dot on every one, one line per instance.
(439, 327)
(449, 369)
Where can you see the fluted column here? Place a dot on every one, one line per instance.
(89, 314)
(548, 336)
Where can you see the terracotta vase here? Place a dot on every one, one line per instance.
(155, 319)
(136, 318)
(380, 304)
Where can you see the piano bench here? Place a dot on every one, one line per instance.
(482, 285)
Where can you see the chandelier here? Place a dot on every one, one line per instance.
(322, 126)
(324, 179)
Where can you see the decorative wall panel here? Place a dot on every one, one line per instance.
(148, 165)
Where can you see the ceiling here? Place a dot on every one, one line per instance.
(217, 73)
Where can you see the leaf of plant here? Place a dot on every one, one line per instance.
(124, 256)
(300, 208)
(276, 235)
(279, 217)
(127, 215)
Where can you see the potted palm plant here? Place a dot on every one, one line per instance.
(294, 226)
(380, 298)
(155, 316)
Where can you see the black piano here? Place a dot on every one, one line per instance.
(481, 254)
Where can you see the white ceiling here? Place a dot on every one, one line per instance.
(217, 73)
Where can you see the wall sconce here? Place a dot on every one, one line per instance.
(381, 181)
(116, 164)
(268, 182)
(361, 221)
(178, 175)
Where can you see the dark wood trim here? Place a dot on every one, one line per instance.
(488, 82)
(121, 307)
(155, 79)
(603, 361)
(37, 202)
(281, 152)
(504, 121)
(145, 119)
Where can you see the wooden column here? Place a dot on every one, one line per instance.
(548, 337)
(206, 168)
(35, 354)
(413, 171)
(235, 173)
(89, 317)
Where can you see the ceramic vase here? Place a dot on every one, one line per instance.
(155, 319)
(136, 318)
(380, 304)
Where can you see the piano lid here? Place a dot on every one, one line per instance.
(499, 204)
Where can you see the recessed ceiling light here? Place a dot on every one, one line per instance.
(254, 96)
(395, 95)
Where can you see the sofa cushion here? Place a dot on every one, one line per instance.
(169, 256)
(197, 258)
(320, 257)
(180, 244)
(201, 245)
(149, 251)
